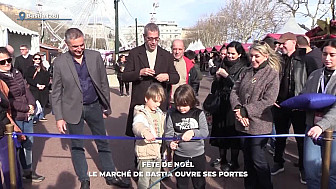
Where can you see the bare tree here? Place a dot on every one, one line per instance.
(241, 20)
(211, 30)
(252, 19)
(314, 10)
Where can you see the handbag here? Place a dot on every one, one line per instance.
(212, 102)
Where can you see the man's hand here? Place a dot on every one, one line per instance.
(187, 136)
(162, 77)
(61, 125)
(315, 132)
(147, 72)
(173, 145)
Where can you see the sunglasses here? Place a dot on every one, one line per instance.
(8, 60)
(37, 58)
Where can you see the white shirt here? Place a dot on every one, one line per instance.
(151, 56)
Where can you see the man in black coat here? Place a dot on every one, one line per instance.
(145, 65)
(312, 56)
(24, 61)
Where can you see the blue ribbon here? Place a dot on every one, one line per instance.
(102, 137)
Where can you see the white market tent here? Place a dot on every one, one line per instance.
(196, 45)
(199, 45)
(291, 26)
(15, 35)
(191, 46)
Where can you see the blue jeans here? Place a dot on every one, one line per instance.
(39, 116)
(313, 164)
(272, 140)
(92, 114)
(25, 152)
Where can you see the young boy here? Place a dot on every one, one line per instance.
(187, 121)
(148, 123)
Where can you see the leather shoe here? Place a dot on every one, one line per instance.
(225, 167)
(85, 184)
(229, 167)
(117, 182)
(234, 166)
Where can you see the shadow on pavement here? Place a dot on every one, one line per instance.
(64, 180)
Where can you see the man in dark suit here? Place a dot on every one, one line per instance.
(24, 61)
(80, 92)
(146, 64)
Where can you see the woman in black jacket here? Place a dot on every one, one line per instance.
(223, 121)
(38, 79)
(119, 68)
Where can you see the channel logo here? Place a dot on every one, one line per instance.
(39, 16)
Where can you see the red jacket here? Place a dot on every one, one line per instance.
(189, 65)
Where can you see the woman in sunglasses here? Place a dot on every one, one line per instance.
(22, 105)
(38, 79)
(5, 118)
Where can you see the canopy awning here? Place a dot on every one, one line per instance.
(7, 23)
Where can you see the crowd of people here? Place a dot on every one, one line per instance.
(250, 84)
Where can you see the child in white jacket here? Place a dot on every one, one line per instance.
(148, 123)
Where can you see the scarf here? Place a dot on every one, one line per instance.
(261, 66)
(233, 67)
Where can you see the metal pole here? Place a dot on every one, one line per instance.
(42, 31)
(327, 142)
(11, 155)
(136, 32)
(333, 9)
(116, 44)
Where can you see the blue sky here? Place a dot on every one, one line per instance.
(184, 12)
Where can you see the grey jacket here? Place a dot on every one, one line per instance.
(257, 93)
(312, 86)
(67, 96)
(191, 148)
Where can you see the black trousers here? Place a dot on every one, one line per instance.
(283, 118)
(255, 163)
(198, 165)
(121, 86)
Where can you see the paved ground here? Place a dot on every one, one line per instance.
(52, 155)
